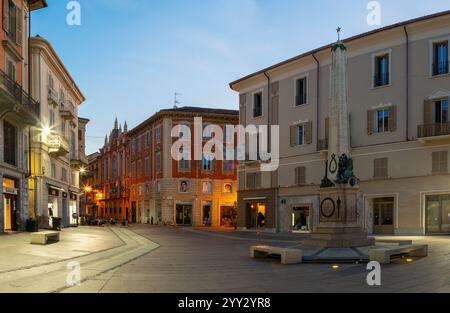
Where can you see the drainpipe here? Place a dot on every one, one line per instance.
(317, 99)
(407, 82)
(268, 111)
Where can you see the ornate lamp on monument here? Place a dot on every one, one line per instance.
(340, 225)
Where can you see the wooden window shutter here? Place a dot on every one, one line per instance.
(5, 15)
(242, 109)
(241, 180)
(300, 176)
(257, 180)
(19, 23)
(275, 88)
(428, 112)
(327, 128)
(275, 105)
(249, 183)
(293, 136)
(435, 162)
(393, 118)
(370, 122)
(308, 133)
(443, 162)
(380, 168)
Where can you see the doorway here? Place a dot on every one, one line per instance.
(207, 218)
(10, 212)
(301, 219)
(437, 214)
(184, 214)
(227, 216)
(383, 216)
(133, 212)
(256, 215)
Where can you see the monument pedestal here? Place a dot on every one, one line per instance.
(338, 222)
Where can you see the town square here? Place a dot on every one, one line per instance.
(225, 150)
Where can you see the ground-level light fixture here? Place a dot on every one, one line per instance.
(335, 266)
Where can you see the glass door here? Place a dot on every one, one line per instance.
(184, 215)
(438, 214)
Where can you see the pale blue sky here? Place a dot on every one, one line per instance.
(130, 56)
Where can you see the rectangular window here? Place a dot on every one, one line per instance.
(10, 143)
(133, 169)
(207, 164)
(64, 174)
(257, 105)
(380, 168)
(147, 166)
(228, 166)
(158, 162)
(148, 139)
(184, 165)
(300, 136)
(440, 162)
(207, 187)
(53, 170)
(253, 180)
(11, 70)
(381, 70)
(301, 96)
(158, 134)
(139, 168)
(440, 58)
(441, 111)
(382, 121)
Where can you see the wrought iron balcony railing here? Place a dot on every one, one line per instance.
(23, 99)
(440, 68)
(433, 130)
(381, 79)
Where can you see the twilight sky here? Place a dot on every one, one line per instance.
(130, 56)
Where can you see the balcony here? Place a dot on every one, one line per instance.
(440, 68)
(67, 110)
(52, 96)
(381, 79)
(434, 132)
(57, 145)
(13, 98)
(322, 145)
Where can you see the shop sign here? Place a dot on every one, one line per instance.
(53, 192)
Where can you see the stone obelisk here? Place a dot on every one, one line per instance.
(339, 216)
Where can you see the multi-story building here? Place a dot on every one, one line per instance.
(399, 88)
(58, 144)
(144, 184)
(113, 173)
(90, 183)
(18, 112)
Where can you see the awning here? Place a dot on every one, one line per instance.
(254, 199)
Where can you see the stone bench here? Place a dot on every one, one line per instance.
(45, 237)
(288, 256)
(385, 255)
(393, 242)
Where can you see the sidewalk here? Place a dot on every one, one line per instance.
(98, 252)
(16, 252)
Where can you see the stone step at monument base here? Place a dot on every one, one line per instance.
(340, 238)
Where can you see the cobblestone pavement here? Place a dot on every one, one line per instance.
(192, 260)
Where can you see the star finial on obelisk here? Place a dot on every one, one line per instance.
(338, 30)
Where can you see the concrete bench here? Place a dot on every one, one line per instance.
(385, 255)
(288, 256)
(45, 237)
(393, 242)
